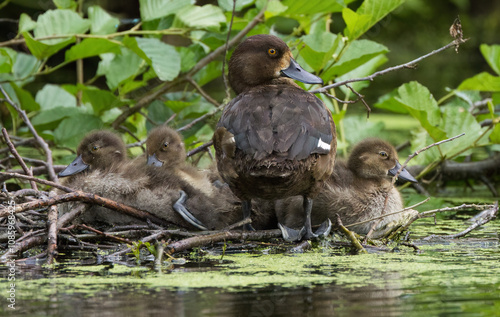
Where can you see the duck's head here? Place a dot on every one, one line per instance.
(265, 59)
(99, 150)
(375, 158)
(165, 147)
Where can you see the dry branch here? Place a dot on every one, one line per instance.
(18, 157)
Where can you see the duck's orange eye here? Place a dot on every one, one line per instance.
(272, 51)
(383, 154)
(165, 145)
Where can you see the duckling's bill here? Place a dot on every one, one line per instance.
(404, 175)
(295, 71)
(75, 167)
(153, 160)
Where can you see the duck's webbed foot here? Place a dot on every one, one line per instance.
(246, 206)
(181, 209)
(322, 231)
(291, 235)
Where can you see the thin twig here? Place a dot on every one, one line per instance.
(39, 140)
(52, 234)
(390, 69)
(18, 157)
(203, 92)
(38, 180)
(362, 98)
(201, 148)
(350, 235)
(226, 49)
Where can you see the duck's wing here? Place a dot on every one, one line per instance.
(285, 121)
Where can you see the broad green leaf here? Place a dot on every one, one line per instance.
(101, 100)
(495, 134)
(60, 22)
(492, 55)
(313, 6)
(227, 5)
(209, 73)
(189, 56)
(6, 59)
(154, 9)
(41, 50)
(420, 140)
(52, 96)
(357, 128)
(91, 47)
(162, 57)
(274, 7)
(358, 53)
(355, 23)
(101, 22)
(25, 99)
(320, 46)
(482, 82)
(177, 105)
(208, 16)
(119, 67)
(70, 130)
(26, 23)
(389, 102)
(66, 4)
(457, 120)
(159, 113)
(368, 14)
(54, 115)
(25, 66)
(362, 71)
(422, 106)
(195, 110)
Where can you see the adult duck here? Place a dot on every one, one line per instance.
(274, 139)
(359, 189)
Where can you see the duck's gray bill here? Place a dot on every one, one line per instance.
(75, 167)
(404, 175)
(295, 71)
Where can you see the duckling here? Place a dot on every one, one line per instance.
(274, 139)
(99, 150)
(357, 191)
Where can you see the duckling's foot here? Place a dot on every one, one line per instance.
(291, 235)
(185, 213)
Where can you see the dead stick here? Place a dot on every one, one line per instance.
(390, 69)
(70, 216)
(350, 235)
(38, 180)
(52, 234)
(198, 241)
(88, 198)
(104, 234)
(23, 246)
(39, 140)
(18, 157)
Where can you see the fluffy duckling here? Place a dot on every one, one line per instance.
(357, 191)
(274, 139)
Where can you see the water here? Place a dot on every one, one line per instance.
(448, 278)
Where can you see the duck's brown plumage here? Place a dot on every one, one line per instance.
(274, 139)
(356, 191)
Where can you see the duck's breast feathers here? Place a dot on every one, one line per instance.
(280, 119)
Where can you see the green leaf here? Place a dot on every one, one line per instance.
(209, 73)
(101, 22)
(207, 16)
(319, 49)
(162, 57)
(227, 5)
(274, 7)
(91, 47)
(495, 134)
(159, 113)
(60, 22)
(368, 14)
(154, 9)
(357, 128)
(457, 120)
(70, 130)
(41, 50)
(313, 6)
(66, 4)
(6, 59)
(101, 100)
(26, 23)
(356, 54)
(482, 82)
(52, 96)
(54, 115)
(419, 102)
(492, 56)
(119, 67)
(362, 71)
(25, 99)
